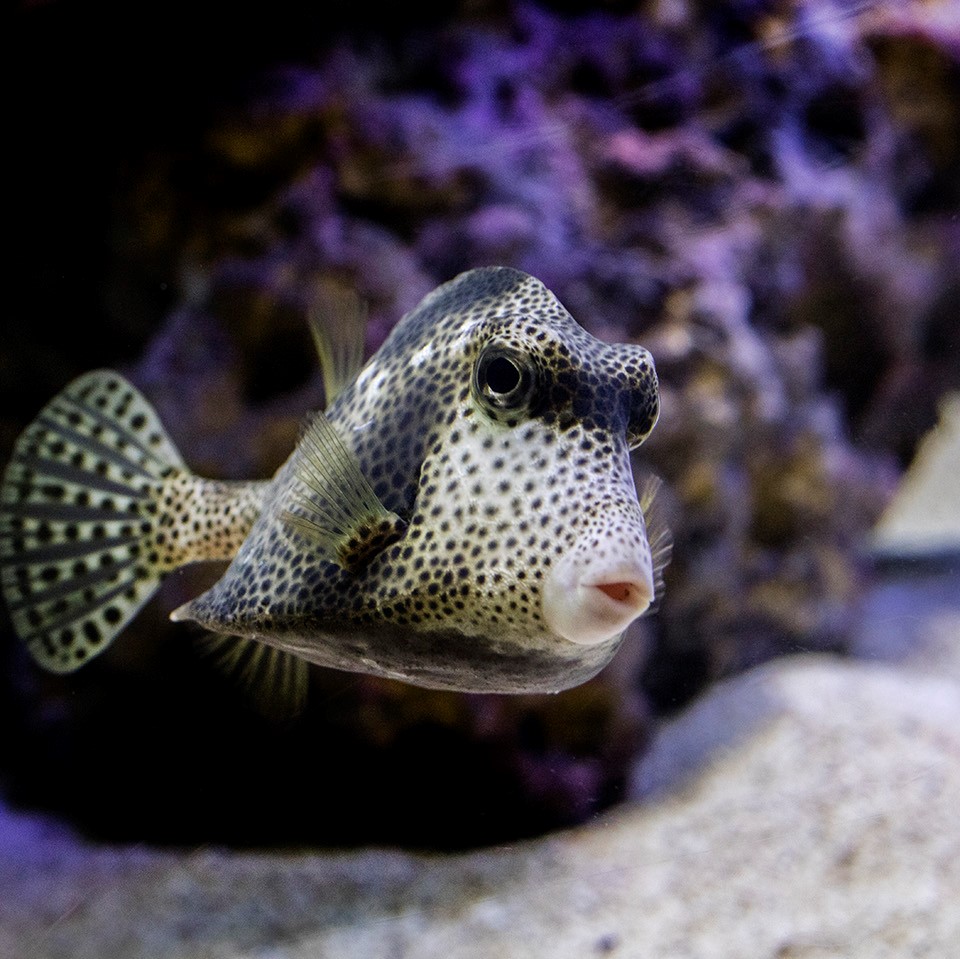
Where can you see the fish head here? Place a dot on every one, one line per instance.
(526, 520)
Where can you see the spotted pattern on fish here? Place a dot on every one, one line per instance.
(495, 484)
(462, 516)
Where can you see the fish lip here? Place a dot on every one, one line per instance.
(578, 609)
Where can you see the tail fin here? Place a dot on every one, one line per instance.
(90, 519)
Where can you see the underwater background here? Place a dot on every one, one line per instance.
(764, 194)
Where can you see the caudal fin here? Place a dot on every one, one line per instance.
(80, 514)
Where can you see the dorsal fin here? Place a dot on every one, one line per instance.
(331, 502)
(338, 323)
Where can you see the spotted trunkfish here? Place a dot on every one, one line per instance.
(462, 516)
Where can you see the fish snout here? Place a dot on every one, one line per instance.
(593, 594)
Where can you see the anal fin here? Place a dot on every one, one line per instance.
(276, 681)
(332, 503)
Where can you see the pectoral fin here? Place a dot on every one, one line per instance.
(332, 503)
(658, 534)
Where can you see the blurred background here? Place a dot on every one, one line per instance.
(765, 194)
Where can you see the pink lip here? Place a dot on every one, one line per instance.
(592, 605)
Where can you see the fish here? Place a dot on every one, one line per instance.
(462, 515)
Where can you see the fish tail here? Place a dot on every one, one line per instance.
(96, 507)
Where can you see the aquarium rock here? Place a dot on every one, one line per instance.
(806, 808)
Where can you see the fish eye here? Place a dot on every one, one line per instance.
(503, 378)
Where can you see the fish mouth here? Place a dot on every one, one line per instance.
(592, 602)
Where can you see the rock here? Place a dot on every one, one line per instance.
(924, 517)
(804, 809)
(911, 616)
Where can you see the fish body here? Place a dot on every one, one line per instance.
(462, 516)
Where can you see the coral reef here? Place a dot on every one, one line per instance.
(764, 194)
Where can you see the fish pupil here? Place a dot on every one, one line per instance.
(503, 380)
(502, 375)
